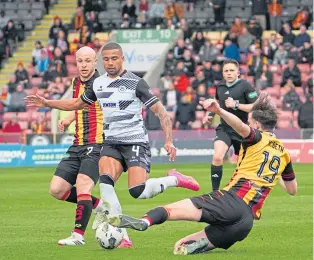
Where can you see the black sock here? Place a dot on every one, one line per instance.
(157, 216)
(216, 175)
(73, 198)
(83, 213)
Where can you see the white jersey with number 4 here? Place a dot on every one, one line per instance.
(121, 100)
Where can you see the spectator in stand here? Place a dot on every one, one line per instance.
(56, 69)
(129, 11)
(207, 70)
(255, 28)
(288, 36)
(12, 126)
(274, 42)
(231, 51)
(264, 79)
(10, 35)
(36, 53)
(17, 103)
(85, 36)
(58, 55)
(181, 68)
(267, 50)
(280, 56)
(171, 98)
(62, 43)
(184, 26)
(309, 86)
(181, 81)
(291, 100)
(216, 75)
(3, 19)
(156, 12)
(3, 48)
(245, 39)
(189, 62)
(305, 117)
(143, 15)
(42, 64)
(78, 20)
(5, 98)
(260, 10)
(201, 95)
(170, 62)
(55, 28)
(208, 52)
(56, 88)
(307, 53)
(191, 95)
(40, 125)
(219, 11)
(275, 14)
(12, 84)
(293, 52)
(179, 49)
(232, 37)
(189, 5)
(95, 44)
(198, 42)
(256, 63)
(302, 37)
(293, 73)
(185, 114)
(173, 12)
(199, 80)
(237, 26)
(303, 17)
(165, 80)
(21, 75)
(92, 22)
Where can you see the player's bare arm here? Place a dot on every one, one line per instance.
(232, 120)
(67, 105)
(166, 124)
(65, 123)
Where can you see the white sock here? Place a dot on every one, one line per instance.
(156, 186)
(108, 194)
(100, 206)
(146, 220)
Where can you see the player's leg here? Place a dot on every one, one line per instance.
(221, 145)
(110, 169)
(138, 159)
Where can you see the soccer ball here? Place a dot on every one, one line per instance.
(108, 237)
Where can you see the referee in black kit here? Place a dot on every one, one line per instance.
(237, 97)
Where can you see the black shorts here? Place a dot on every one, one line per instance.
(230, 219)
(80, 159)
(129, 155)
(229, 137)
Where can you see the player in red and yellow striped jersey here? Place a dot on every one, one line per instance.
(230, 212)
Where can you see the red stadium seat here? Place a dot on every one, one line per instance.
(284, 124)
(277, 102)
(23, 116)
(72, 71)
(277, 78)
(8, 116)
(285, 115)
(305, 76)
(273, 92)
(283, 91)
(48, 116)
(70, 59)
(275, 68)
(295, 123)
(197, 124)
(36, 114)
(200, 115)
(304, 68)
(23, 125)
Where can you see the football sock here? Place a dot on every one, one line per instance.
(108, 194)
(156, 216)
(156, 186)
(71, 197)
(83, 213)
(216, 175)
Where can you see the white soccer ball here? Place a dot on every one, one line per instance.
(108, 237)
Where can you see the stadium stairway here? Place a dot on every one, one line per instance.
(65, 10)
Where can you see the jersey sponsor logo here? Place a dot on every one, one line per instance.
(227, 92)
(122, 89)
(111, 104)
(252, 94)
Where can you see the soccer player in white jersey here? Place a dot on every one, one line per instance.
(121, 95)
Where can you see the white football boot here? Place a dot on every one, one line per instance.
(74, 240)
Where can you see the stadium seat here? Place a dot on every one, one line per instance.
(277, 78)
(197, 124)
(285, 115)
(274, 92)
(23, 116)
(200, 115)
(70, 59)
(305, 68)
(23, 125)
(275, 68)
(72, 71)
(48, 116)
(305, 76)
(36, 114)
(8, 116)
(283, 91)
(283, 124)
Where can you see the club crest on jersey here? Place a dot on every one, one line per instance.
(122, 89)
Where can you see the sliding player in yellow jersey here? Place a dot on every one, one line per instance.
(263, 160)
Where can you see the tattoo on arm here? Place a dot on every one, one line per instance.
(164, 118)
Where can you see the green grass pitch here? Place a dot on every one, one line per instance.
(31, 221)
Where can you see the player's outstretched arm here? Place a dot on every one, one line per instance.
(232, 120)
(66, 104)
(166, 124)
